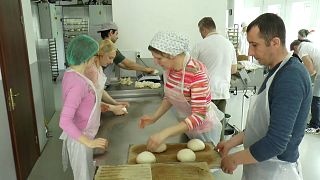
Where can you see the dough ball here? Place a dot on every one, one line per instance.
(124, 109)
(161, 148)
(145, 157)
(196, 145)
(186, 155)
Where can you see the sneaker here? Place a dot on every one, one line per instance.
(312, 130)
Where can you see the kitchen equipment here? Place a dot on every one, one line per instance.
(208, 155)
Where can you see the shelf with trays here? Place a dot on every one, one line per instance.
(233, 35)
(73, 27)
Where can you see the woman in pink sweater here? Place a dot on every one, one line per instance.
(80, 115)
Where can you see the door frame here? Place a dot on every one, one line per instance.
(6, 87)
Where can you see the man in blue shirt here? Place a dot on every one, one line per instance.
(277, 114)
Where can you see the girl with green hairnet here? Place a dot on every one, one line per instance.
(80, 114)
(104, 57)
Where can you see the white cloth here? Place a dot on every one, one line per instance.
(311, 50)
(258, 121)
(307, 48)
(243, 43)
(210, 130)
(170, 42)
(81, 156)
(81, 159)
(218, 54)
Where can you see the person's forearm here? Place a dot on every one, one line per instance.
(243, 157)
(108, 99)
(309, 65)
(176, 130)
(236, 140)
(163, 108)
(233, 69)
(130, 65)
(84, 140)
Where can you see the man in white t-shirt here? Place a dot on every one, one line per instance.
(309, 53)
(219, 56)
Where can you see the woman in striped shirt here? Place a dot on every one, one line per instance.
(186, 88)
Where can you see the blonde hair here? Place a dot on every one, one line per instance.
(106, 46)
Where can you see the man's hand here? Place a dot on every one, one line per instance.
(223, 148)
(228, 164)
(149, 70)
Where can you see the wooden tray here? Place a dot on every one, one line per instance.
(208, 155)
(156, 171)
(181, 171)
(121, 172)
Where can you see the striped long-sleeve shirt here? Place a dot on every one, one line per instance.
(196, 90)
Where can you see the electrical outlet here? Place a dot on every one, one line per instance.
(138, 54)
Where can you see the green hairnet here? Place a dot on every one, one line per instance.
(80, 49)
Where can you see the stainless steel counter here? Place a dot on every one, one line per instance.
(118, 91)
(121, 131)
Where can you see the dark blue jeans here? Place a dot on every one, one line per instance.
(315, 112)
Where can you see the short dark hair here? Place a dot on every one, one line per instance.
(294, 43)
(303, 32)
(105, 34)
(207, 22)
(270, 26)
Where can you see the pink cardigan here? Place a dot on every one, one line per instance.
(78, 101)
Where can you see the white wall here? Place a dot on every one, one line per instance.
(35, 79)
(139, 20)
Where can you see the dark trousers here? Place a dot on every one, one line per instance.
(221, 104)
(315, 112)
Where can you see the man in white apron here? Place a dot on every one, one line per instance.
(277, 114)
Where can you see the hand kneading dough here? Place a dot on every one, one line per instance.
(145, 157)
(196, 145)
(186, 155)
(161, 148)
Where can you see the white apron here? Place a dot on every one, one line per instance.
(210, 130)
(102, 78)
(81, 156)
(258, 120)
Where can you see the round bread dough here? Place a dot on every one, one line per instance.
(161, 148)
(186, 155)
(196, 145)
(145, 157)
(124, 109)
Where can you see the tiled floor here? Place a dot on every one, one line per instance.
(48, 166)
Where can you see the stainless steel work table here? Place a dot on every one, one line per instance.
(121, 131)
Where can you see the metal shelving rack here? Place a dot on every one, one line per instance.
(53, 59)
(233, 35)
(73, 27)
